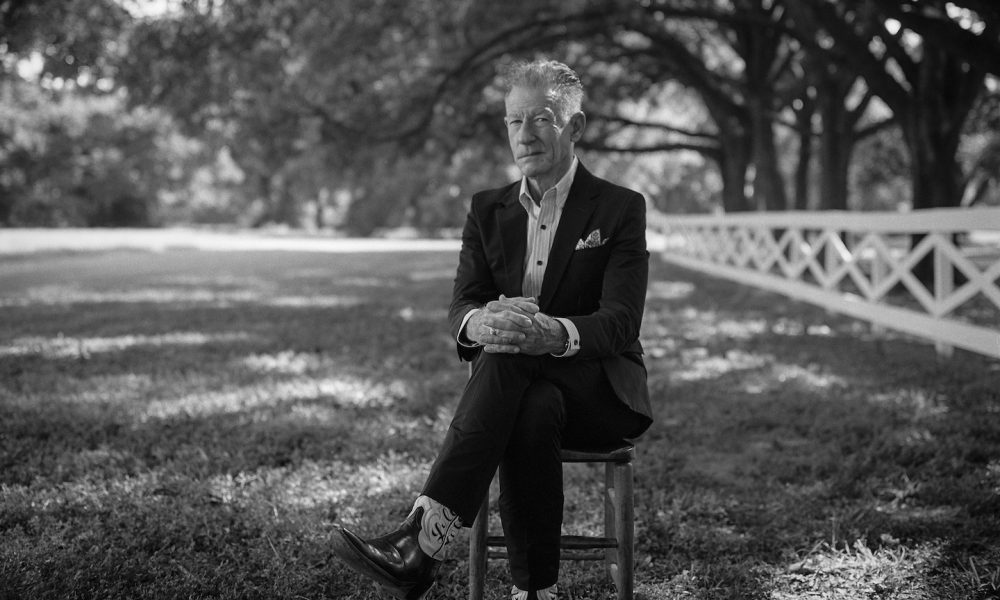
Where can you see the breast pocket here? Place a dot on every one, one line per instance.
(586, 269)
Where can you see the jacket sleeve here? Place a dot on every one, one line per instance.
(614, 327)
(474, 285)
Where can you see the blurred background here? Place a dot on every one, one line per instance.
(358, 118)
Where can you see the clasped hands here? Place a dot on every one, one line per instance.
(515, 326)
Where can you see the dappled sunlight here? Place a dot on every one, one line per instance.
(342, 391)
(312, 414)
(120, 389)
(376, 282)
(669, 290)
(807, 376)
(315, 484)
(922, 403)
(409, 313)
(782, 375)
(697, 364)
(857, 571)
(287, 362)
(706, 325)
(447, 274)
(311, 301)
(82, 347)
(59, 295)
(780, 433)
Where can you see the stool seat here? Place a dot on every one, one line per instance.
(623, 452)
(615, 547)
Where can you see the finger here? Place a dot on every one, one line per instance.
(526, 304)
(543, 318)
(501, 349)
(503, 336)
(512, 321)
(525, 311)
(498, 331)
(508, 320)
(495, 306)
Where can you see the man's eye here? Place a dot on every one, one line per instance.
(513, 122)
(541, 120)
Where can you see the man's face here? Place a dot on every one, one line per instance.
(542, 146)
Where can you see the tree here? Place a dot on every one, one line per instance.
(82, 161)
(930, 85)
(78, 41)
(283, 83)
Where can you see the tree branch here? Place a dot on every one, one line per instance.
(873, 128)
(659, 126)
(712, 151)
(853, 49)
(979, 50)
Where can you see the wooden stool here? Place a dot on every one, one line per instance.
(615, 548)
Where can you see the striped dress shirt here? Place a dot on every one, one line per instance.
(543, 220)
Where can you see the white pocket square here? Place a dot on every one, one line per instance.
(594, 240)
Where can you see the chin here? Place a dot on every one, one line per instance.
(533, 169)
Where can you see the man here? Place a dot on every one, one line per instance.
(547, 304)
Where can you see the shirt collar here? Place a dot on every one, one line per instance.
(562, 188)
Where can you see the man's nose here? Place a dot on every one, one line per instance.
(524, 135)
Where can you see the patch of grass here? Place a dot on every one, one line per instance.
(191, 425)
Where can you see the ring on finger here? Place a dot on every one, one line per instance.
(493, 331)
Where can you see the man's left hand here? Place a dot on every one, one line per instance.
(546, 336)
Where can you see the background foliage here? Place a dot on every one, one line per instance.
(363, 115)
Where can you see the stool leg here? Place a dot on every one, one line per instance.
(625, 528)
(478, 551)
(610, 521)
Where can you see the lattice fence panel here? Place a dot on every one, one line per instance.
(861, 264)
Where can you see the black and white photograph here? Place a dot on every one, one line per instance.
(499, 300)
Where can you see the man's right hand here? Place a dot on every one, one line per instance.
(501, 325)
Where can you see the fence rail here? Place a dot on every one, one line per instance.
(864, 265)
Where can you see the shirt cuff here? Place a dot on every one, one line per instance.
(574, 338)
(462, 339)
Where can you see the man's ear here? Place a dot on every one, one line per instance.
(577, 123)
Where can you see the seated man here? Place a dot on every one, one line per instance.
(547, 303)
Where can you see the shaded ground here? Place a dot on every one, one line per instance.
(191, 424)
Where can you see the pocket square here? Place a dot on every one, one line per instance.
(594, 240)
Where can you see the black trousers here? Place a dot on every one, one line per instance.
(515, 414)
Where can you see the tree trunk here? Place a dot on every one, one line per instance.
(286, 211)
(768, 183)
(932, 130)
(935, 174)
(734, 160)
(836, 143)
(803, 121)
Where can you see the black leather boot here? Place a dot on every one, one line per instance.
(394, 561)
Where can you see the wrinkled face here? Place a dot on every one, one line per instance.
(542, 145)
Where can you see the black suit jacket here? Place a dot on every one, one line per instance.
(601, 289)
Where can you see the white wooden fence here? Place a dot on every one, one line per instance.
(858, 264)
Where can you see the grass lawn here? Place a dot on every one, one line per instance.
(188, 424)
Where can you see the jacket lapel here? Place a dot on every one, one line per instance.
(580, 205)
(512, 223)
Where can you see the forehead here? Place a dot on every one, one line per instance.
(529, 99)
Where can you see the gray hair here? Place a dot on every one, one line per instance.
(560, 81)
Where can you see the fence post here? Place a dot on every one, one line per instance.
(944, 285)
